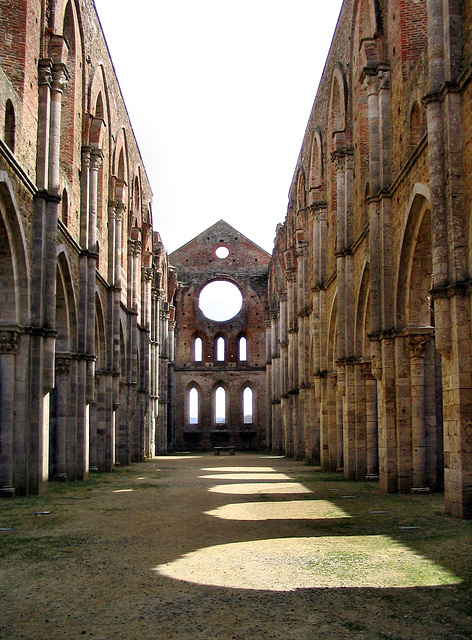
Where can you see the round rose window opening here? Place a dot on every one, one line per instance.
(220, 300)
(222, 252)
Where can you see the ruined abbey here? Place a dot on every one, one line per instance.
(351, 347)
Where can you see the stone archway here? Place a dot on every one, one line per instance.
(421, 436)
(63, 418)
(14, 347)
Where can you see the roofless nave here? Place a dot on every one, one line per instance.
(366, 312)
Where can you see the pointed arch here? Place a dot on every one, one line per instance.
(14, 270)
(331, 343)
(301, 194)
(66, 305)
(10, 125)
(414, 269)
(338, 109)
(220, 403)
(197, 348)
(242, 348)
(417, 125)
(248, 405)
(192, 402)
(362, 328)
(220, 348)
(316, 163)
(100, 334)
(69, 114)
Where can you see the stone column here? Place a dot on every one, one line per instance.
(8, 348)
(96, 160)
(303, 424)
(147, 417)
(63, 414)
(417, 344)
(164, 317)
(117, 288)
(372, 443)
(58, 51)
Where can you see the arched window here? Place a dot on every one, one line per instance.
(65, 208)
(220, 349)
(416, 126)
(242, 349)
(10, 125)
(301, 191)
(198, 350)
(247, 406)
(220, 405)
(193, 406)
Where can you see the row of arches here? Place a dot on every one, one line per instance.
(360, 340)
(220, 349)
(219, 402)
(83, 282)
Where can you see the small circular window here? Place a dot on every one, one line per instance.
(220, 300)
(222, 252)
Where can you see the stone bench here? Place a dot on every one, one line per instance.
(229, 449)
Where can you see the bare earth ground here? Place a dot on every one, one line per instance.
(244, 547)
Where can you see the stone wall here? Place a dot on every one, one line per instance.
(245, 265)
(83, 277)
(370, 359)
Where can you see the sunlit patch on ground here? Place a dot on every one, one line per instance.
(170, 458)
(247, 476)
(260, 487)
(284, 510)
(239, 469)
(302, 563)
(123, 491)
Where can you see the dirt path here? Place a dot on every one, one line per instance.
(243, 547)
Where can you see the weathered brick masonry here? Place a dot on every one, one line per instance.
(83, 279)
(245, 265)
(370, 363)
(353, 346)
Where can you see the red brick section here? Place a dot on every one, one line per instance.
(246, 265)
(13, 42)
(413, 32)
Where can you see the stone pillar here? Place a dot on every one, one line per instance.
(164, 318)
(96, 159)
(63, 414)
(8, 348)
(451, 294)
(59, 50)
(372, 441)
(417, 344)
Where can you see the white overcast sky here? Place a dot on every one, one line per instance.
(219, 94)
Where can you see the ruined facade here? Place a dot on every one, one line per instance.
(83, 279)
(106, 355)
(369, 359)
(219, 374)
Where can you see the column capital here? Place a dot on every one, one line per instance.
(373, 80)
(343, 159)
(120, 211)
(45, 72)
(86, 153)
(148, 274)
(290, 275)
(63, 363)
(418, 340)
(8, 341)
(135, 247)
(96, 159)
(60, 77)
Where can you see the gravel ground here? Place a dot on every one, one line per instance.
(200, 547)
